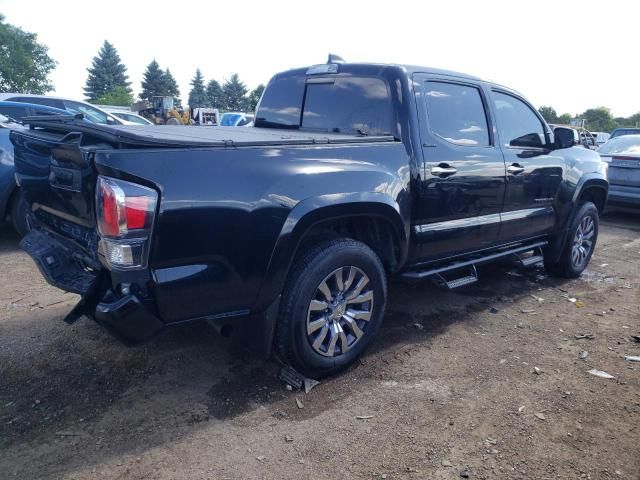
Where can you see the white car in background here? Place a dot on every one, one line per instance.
(90, 112)
(600, 137)
(129, 116)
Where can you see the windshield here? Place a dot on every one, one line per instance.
(623, 144)
(91, 113)
(618, 132)
(230, 119)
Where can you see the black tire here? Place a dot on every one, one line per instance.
(301, 306)
(567, 265)
(19, 211)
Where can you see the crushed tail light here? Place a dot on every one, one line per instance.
(125, 213)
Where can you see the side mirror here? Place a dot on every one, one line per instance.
(563, 138)
(528, 140)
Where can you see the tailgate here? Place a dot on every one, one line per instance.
(58, 182)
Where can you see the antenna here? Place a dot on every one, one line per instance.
(333, 58)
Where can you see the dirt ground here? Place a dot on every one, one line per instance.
(449, 387)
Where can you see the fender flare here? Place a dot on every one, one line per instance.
(315, 210)
(589, 180)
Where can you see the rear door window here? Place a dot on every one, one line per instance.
(456, 113)
(354, 105)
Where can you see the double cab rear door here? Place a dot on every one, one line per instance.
(486, 177)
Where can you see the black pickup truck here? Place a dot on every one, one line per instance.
(284, 234)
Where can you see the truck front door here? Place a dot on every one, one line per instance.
(462, 187)
(534, 173)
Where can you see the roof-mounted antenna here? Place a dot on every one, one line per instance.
(333, 58)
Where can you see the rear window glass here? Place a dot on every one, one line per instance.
(353, 105)
(281, 103)
(348, 105)
(13, 112)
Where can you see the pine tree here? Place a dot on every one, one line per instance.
(254, 97)
(171, 88)
(214, 94)
(153, 81)
(234, 94)
(106, 73)
(198, 94)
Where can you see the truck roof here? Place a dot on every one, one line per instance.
(377, 68)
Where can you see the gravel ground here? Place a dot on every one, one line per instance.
(485, 381)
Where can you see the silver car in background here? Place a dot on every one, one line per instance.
(623, 156)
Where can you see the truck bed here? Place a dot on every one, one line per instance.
(189, 136)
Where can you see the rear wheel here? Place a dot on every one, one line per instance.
(332, 307)
(579, 246)
(19, 211)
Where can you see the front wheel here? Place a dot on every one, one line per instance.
(579, 246)
(332, 307)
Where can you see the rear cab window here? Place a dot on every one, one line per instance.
(339, 104)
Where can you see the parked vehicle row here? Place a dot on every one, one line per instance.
(285, 233)
(622, 153)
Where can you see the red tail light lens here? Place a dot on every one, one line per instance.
(125, 213)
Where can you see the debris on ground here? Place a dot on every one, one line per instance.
(299, 403)
(636, 338)
(309, 383)
(584, 354)
(464, 473)
(588, 336)
(493, 310)
(363, 417)
(539, 416)
(417, 326)
(600, 373)
(539, 299)
(288, 438)
(528, 311)
(446, 463)
(537, 371)
(580, 304)
(632, 358)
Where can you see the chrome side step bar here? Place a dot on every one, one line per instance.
(470, 263)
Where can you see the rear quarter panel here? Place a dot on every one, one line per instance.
(222, 211)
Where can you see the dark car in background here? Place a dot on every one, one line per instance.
(13, 208)
(91, 113)
(619, 132)
(623, 156)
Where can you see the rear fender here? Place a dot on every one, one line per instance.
(315, 210)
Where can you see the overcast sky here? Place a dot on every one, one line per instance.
(568, 54)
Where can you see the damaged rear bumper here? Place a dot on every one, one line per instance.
(64, 266)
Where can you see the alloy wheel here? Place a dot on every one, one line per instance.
(339, 312)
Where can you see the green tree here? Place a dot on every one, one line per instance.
(198, 94)
(119, 96)
(549, 114)
(234, 94)
(565, 119)
(214, 94)
(24, 63)
(171, 88)
(106, 73)
(599, 119)
(254, 97)
(153, 81)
